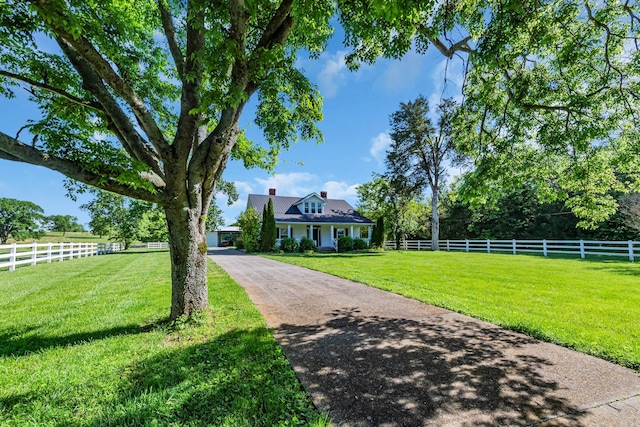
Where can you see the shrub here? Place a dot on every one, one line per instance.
(289, 245)
(377, 237)
(345, 244)
(360, 244)
(306, 244)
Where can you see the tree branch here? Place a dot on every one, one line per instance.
(172, 38)
(121, 126)
(187, 130)
(83, 102)
(14, 150)
(460, 46)
(275, 25)
(103, 68)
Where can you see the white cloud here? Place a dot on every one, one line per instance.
(341, 190)
(379, 146)
(290, 184)
(243, 187)
(333, 74)
(403, 74)
(448, 78)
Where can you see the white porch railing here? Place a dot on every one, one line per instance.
(32, 253)
(629, 249)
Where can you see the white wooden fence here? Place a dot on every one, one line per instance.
(628, 249)
(31, 253)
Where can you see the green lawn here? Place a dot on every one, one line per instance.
(85, 343)
(590, 305)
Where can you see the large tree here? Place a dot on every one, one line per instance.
(63, 223)
(420, 153)
(551, 89)
(19, 219)
(118, 214)
(143, 99)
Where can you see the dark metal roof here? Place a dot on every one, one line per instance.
(335, 210)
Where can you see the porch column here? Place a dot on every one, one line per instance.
(289, 230)
(351, 231)
(369, 228)
(310, 232)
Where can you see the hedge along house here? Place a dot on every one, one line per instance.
(315, 216)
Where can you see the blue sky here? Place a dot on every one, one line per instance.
(357, 106)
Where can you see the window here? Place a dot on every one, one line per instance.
(341, 232)
(283, 233)
(313, 207)
(306, 207)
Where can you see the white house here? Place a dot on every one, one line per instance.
(314, 216)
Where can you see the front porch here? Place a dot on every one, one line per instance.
(323, 235)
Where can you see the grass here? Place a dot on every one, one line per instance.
(86, 343)
(591, 306)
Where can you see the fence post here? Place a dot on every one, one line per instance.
(447, 245)
(61, 253)
(12, 257)
(631, 255)
(34, 253)
(513, 243)
(467, 244)
(419, 244)
(488, 246)
(581, 248)
(49, 253)
(544, 247)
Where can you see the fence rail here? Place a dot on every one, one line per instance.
(15, 254)
(629, 249)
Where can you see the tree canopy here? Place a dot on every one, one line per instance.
(551, 89)
(63, 223)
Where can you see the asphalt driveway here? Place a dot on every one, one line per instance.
(373, 358)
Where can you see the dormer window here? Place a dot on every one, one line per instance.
(312, 204)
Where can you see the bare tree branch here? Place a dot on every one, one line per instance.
(460, 46)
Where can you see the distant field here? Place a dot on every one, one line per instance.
(590, 305)
(57, 237)
(86, 343)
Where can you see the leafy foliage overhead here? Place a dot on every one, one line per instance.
(551, 91)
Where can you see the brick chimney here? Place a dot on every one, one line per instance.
(272, 191)
(323, 194)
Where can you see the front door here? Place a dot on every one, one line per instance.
(316, 236)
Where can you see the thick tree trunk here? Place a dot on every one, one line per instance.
(435, 220)
(188, 246)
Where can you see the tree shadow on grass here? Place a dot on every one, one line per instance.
(371, 371)
(21, 342)
(240, 378)
(622, 268)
